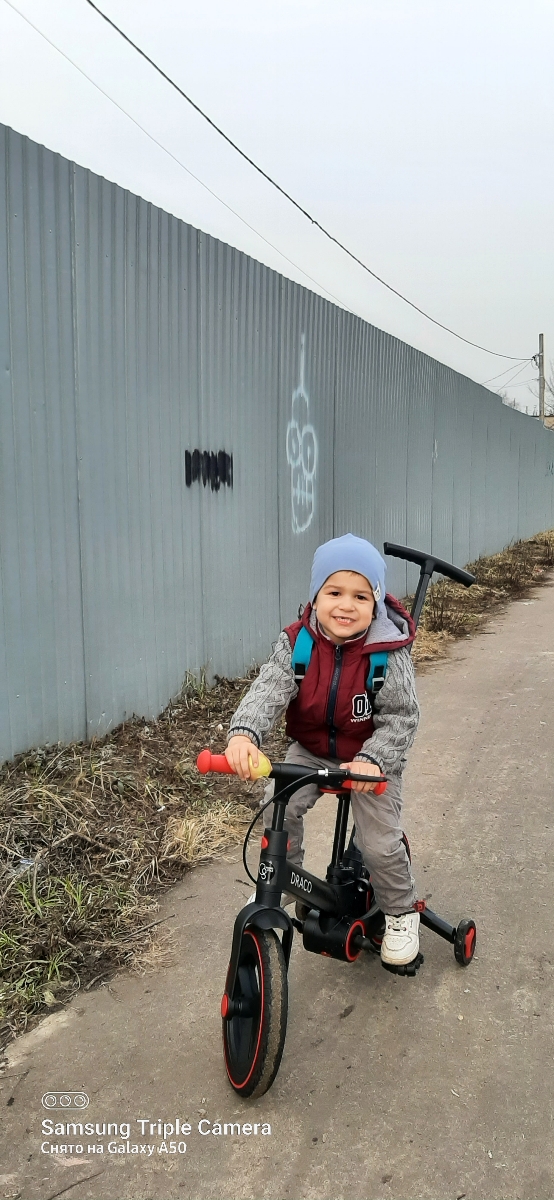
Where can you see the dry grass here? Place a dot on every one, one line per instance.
(90, 833)
(453, 611)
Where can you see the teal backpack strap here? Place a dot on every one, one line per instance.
(377, 672)
(302, 654)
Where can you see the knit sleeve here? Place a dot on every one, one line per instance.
(268, 697)
(395, 716)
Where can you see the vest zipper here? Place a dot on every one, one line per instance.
(332, 702)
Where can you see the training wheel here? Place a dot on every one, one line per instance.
(464, 945)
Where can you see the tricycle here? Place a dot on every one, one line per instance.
(336, 917)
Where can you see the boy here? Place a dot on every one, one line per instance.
(331, 722)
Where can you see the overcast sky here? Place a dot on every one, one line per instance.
(418, 131)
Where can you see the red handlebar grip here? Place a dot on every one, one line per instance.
(378, 789)
(207, 761)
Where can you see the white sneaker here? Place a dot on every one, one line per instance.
(401, 939)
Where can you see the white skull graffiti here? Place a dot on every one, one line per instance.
(301, 455)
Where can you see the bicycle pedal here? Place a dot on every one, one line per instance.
(410, 968)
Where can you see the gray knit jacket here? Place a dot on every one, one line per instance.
(396, 711)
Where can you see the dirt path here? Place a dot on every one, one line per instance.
(438, 1086)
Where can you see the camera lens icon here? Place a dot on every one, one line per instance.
(65, 1100)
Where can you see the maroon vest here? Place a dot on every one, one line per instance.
(331, 716)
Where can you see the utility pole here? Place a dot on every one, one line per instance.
(541, 377)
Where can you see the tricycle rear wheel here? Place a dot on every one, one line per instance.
(464, 945)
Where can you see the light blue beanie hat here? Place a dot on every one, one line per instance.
(349, 553)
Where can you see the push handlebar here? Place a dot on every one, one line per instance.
(421, 559)
(207, 761)
(428, 564)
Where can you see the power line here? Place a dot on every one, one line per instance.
(287, 195)
(501, 373)
(508, 382)
(525, 381)
(174, 157)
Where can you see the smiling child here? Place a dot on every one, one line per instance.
(333, 720)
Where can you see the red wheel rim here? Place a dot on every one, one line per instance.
(237, 1086)
(356, 927)
(469, 942)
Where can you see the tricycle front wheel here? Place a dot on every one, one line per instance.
(255, 1016)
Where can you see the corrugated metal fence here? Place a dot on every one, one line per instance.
(180, 427)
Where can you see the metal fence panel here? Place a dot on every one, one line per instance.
(527, 463)
(510, 475)
(355, 443)
(116, 535)
(442, 516)
(461, 439)
(355, 479)
(307, 349)
(478, 474)
(238, 405)
(138, 406)
(372, 459)
(391, 446)
(180, 428)
(41, 636)
(421, 450)
(546, 509)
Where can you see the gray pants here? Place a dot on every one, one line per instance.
(378, 832)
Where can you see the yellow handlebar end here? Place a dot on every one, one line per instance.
(263, 768)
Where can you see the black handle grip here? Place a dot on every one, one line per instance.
(430, 563)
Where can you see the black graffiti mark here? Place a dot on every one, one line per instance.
(211, 468)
